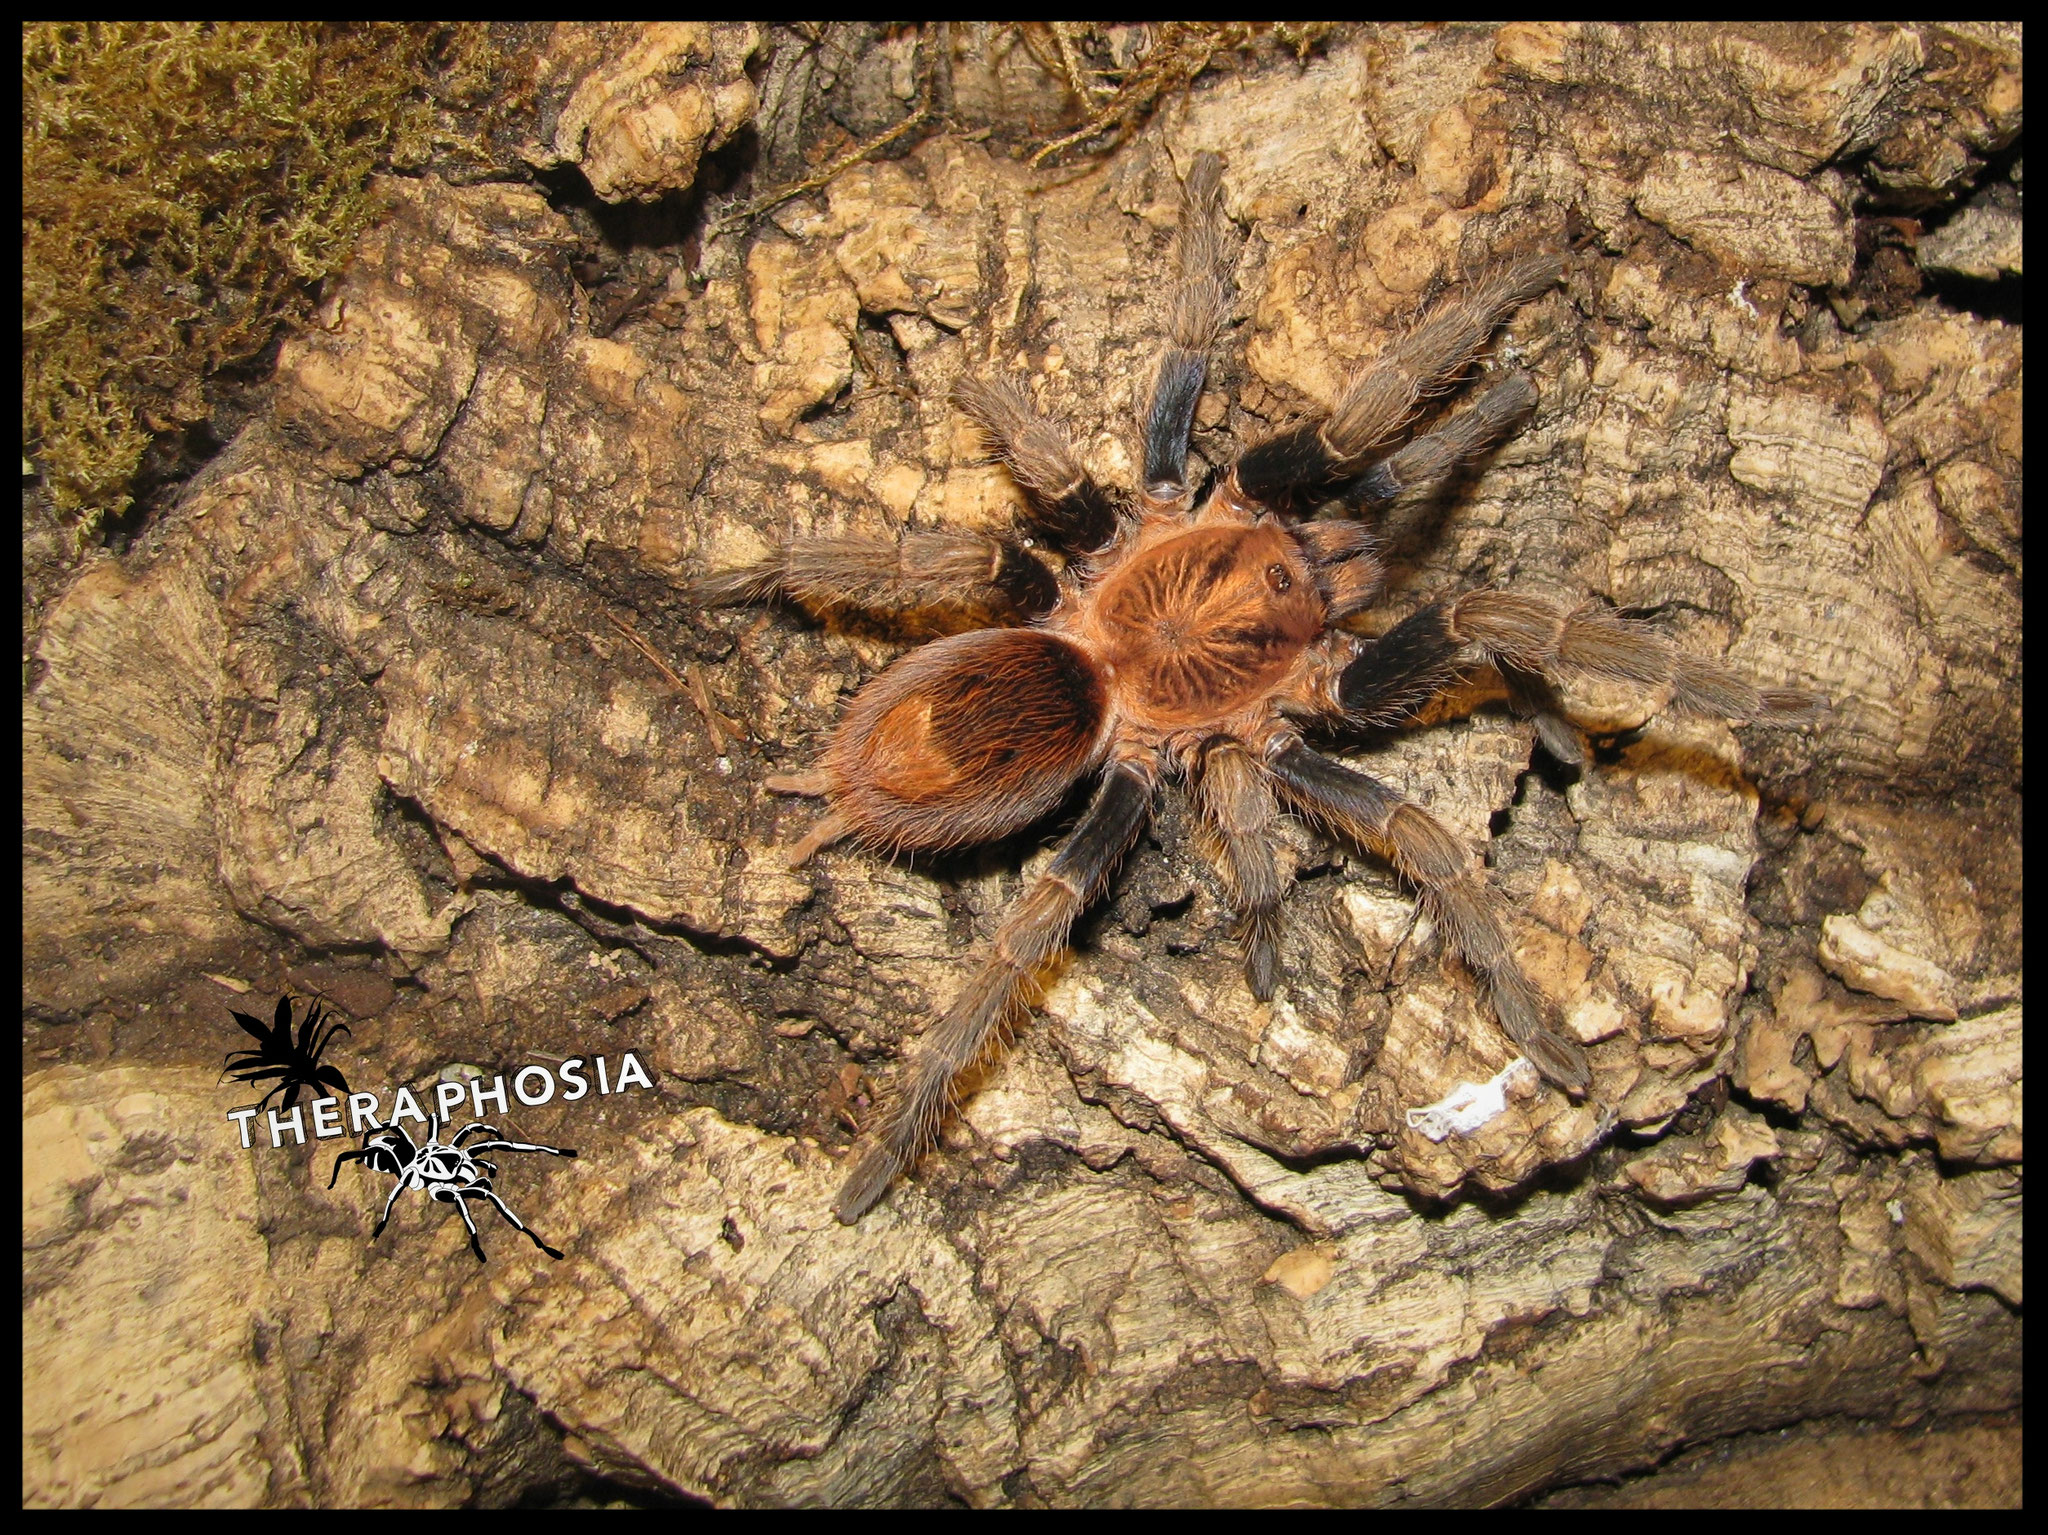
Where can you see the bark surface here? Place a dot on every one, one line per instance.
(404, 705)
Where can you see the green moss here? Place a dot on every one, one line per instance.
(185, 186)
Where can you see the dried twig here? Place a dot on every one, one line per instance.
(846, 162)
(701, 695)
(693, 687)
(1174, 54)
(925, 115)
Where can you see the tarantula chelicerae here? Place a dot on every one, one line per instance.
(1197, 640)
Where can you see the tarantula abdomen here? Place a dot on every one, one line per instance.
(965, 740)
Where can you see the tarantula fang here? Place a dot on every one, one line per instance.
(1198, 640)
(446, 1171)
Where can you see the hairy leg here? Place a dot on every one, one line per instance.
(1063, 505)
(1393, 676)
(1196, 314)
(1238, 816)
(1443, 870)
(1345, 555)
(1548, 640)
(1464, 437)
(1533, 641)
(1312, 459)
(935, 582)
(1535, 700)
(1033, 931)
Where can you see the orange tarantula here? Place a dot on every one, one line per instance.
(1196, 640)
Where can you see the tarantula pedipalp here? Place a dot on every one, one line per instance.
(1196, 640)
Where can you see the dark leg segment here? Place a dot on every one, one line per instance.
(1402, 670)
(1456, 895)
(1199, 310)
(1311, 459)
(935, 581)
(1348, 568)
(1031, 934)
(1171, 421)
(1238, 811)
(1534, 700)
(1065, 507)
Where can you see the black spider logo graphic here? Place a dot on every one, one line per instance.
(295, 1063)
(448, 1171)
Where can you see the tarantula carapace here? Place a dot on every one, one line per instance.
(1196, 640)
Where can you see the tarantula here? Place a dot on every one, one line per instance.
(446, 1171)
(1197, 638)
(295, 1063)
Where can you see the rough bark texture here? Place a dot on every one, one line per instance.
(403, 705)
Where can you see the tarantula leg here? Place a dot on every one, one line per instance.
(1311, 459)
(1063, 504)
(1198, 311)
(1033, 931)
(506, 1211)
(1424, 462)
(1442, 870)
(360, 1155)
(810, 783)
(833, 826)
(553, 1151)
(1531, 641)
(1547, 639)
(475, 1243)
(390, 1200)
(935, 581)
(1345, 555)
(1239, 814)
(1393, 676)
(1535, 700)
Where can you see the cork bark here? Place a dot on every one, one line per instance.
(404, 704)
